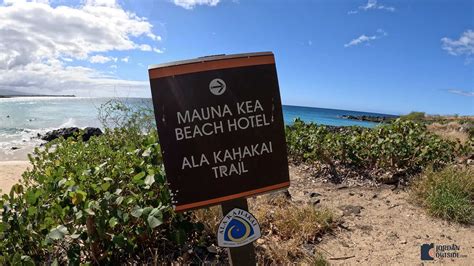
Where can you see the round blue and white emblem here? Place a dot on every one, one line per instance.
(237, 228)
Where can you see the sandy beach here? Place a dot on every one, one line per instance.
(10, 173)
(12, 164)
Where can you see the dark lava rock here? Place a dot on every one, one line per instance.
(91, 132)
(68, 132)
(14, 148)
(376, 119)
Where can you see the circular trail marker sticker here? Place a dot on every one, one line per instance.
(217, 86)
(237, 228)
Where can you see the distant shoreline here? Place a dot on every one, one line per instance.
(368, 118)
(20, 96)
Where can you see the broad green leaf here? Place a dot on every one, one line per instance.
(105, 186)
(136, 212)
(119, 200)
(139, 176)
(146, 153)
(58, 233)
(79, 214)
(30, 197)
(113, 222)
(153, 221)
(78, 196)
(149, 180)
(32, 210)
(156, 212)
(89, 211)
(147, 210)
(62, 182)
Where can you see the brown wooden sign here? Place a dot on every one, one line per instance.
(220, 126)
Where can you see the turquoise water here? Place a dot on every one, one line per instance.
(21, 119)
(326, 116)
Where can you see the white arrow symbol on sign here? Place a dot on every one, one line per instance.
(217, 86)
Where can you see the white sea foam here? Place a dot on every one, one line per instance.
(11, 138)
(70, 122)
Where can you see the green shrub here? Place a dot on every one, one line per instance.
(401, 146)
(101, 201)
(448, 194)
(414, 116)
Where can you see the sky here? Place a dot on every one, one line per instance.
(378, 56)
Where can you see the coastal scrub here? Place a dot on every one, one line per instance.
(402, 148)
(101, 201)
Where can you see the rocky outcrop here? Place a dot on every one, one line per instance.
(68, 132)
(376, 119)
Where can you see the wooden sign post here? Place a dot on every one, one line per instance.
(221, 131)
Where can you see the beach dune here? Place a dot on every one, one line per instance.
(10, 173)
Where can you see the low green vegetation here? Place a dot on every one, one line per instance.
(402, 147)
(414, 116)
(102, 201)
(448, 194)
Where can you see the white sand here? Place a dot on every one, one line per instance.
(10, 173)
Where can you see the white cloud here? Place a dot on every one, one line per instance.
(108, 3)
(125, 59)
(100, 59)
(156, 50)
(372, 5)
(462, 92)
(9, 2)
(462, 46)
(144, 47)
(366, 39)
(37, 40)
(153, 36)
(361, 39)
(190, 4)
(54, 77)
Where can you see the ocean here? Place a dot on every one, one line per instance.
(21, 119)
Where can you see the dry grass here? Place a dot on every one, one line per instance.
(449, 118)
(290, 231)
(450, 131)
